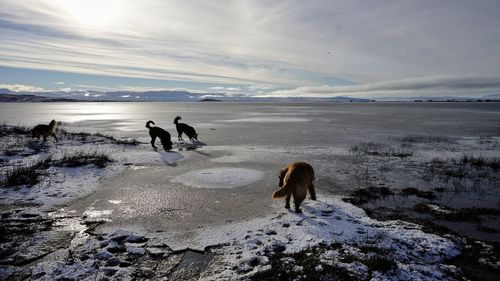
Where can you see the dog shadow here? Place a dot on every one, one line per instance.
(311, 214)
(170, 157)
(189, 146)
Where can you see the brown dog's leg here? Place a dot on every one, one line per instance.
(287, 204)
(312, 192)
(297, 199)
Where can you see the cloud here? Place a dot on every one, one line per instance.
(59, 83)
(466, 86)
(230, 91)
(21, 88)
(279, 44)
(259, 87)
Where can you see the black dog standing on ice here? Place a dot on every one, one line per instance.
(186, 129)
(163, 135)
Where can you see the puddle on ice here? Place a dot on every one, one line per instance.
(219, 178)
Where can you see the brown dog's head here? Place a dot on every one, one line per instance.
(281, 175)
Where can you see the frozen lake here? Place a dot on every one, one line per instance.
(219, 192)
(269, 123)
(246, 145)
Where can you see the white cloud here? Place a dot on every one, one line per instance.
(21, 88)
(467, 86)
(280, 44)
(67, 89)
(225, 89)
(259, 87)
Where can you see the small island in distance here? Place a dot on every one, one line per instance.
(209, 100)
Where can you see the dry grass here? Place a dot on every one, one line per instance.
(85, 136)
(13, 130)
(380, 149)
(81, 158)
(425, 139)
(26, 175)
(467, 167)
(30, 175)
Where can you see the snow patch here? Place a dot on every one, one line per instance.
(328, 220)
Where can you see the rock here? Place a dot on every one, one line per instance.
(103, 255)
(136, 239)
(114, 261)
(271, 232)
(120, 235)
(117, 249)
(136, 250)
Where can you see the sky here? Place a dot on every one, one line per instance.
(260, 48)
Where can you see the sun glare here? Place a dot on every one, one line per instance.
(91, 12)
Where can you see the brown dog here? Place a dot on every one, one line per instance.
(45, 131)
(296, 179)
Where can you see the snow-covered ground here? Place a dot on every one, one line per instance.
(60, 185)
(418, 255)
(335, 238)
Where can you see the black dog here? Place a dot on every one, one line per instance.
(186, 129)
(160, 133)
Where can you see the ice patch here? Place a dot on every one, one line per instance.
(219, 178)
(92, 213)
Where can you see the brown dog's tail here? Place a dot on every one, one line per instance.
(282, 192)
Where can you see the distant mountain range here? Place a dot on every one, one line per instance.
(9, 96)
(30, 98)
(151, 96)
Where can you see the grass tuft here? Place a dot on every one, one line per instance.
(13, 130)
(28, 175)
(379, 149)
(465, 168)
(425, 139)
(482, 162)
(80, 158)
(84, 136)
